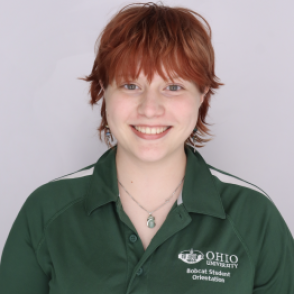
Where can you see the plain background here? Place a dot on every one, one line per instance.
(48, 128)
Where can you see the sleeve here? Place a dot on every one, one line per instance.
(275, 264)
(20, 272)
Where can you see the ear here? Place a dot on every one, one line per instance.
(101, 85)
(204, 93)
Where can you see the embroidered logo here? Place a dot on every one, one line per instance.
(211, 259)
(217, 259)
(191, 256)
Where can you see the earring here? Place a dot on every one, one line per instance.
(194, 138)
(107, 133)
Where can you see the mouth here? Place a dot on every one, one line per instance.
(150, 130)
(149, 133)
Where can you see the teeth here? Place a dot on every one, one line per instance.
(150, 130)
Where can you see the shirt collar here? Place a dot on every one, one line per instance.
(199, 192)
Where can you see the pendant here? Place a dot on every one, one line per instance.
(151, 221)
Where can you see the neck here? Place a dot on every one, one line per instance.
(151, 182)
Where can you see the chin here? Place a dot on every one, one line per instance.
(151, 153)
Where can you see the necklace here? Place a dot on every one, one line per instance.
(151, 219)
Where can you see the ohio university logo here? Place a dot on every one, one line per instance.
(191, 256)
(212, 258)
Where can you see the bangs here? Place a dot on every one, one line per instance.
(169, 65)
(161, 41)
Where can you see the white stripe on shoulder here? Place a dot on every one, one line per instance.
(78, 174)
(233, 180)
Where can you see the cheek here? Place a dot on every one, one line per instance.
(117, 108)
(121, 113)
(187, 111)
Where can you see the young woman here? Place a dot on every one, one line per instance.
(150, 216)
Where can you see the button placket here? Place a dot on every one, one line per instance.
(133, 238)
(140, 271)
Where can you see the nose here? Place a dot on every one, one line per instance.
(151, 104)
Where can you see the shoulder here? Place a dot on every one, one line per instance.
(62, 190)
(245, 203)
(51, 199)
(234, 189)
(250, 210)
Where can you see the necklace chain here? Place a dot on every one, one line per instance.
(166, 201)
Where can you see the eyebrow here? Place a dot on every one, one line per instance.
(174, 77)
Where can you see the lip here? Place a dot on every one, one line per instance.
(150, 136)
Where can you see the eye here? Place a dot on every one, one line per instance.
(174, 87)
(130, 86)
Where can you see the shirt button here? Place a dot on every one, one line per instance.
(133, 238)
(140, 271)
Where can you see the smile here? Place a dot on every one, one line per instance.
(150, 133)
(150, 130)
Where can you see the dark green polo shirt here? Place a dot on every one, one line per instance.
(223, 235)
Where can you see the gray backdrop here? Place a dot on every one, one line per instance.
(48, 129)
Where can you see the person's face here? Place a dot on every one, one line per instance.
(158, 104)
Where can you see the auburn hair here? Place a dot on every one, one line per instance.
(148, 36)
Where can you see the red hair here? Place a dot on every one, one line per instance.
(152, 36)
